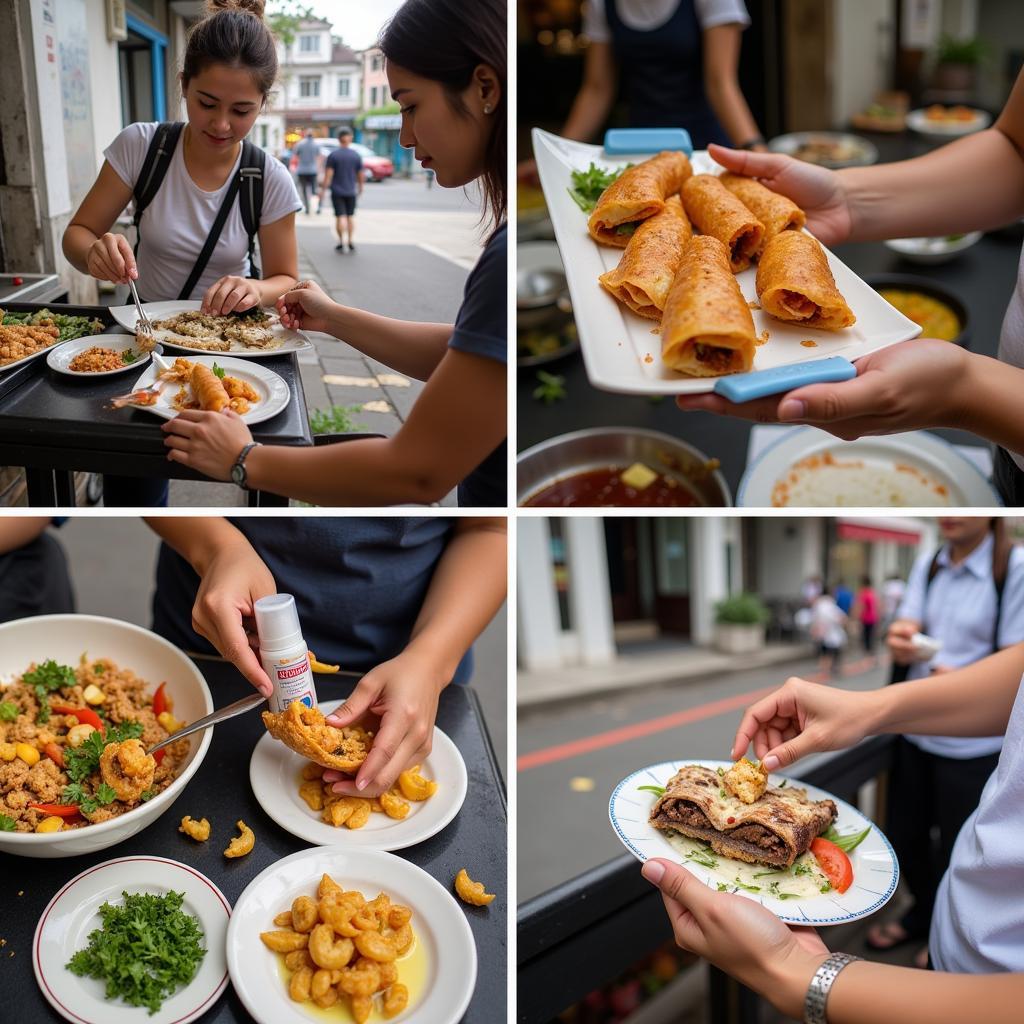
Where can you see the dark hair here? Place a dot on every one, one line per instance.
(440, 40)
(865, 581)
(344, 131)
(234, 33)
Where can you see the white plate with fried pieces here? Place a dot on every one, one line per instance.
(276, 775)
(97, 356)
(798, 894)
(181, 325)
(73, 914)
(621, 350)
(264, 392)
(437, 967)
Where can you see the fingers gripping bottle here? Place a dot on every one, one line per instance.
(283, 652)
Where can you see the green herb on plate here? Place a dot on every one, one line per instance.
(128, 357)
(657, 790)
(8, 711)
(847, 841)
(745, 887)
(588, 185)
(6, 823)
(80, 762)
(703, 858)
(44, 679)
(218, 371)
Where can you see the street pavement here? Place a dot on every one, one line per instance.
(414, 249)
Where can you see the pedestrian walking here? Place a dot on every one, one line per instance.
(866, 605)
(828, 627)
(308, 152)
(343, 179)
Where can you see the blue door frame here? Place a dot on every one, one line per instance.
(158, 51)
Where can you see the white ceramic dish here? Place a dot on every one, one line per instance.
(60, 356)
(924, 455)
(918, 121)
(64, 638)
(619, 349)
(127, 317)
(438, 922)
(930, 251)
(73, 913)
(850, 150)
(270, 386)
(875, 870)
(274, 775)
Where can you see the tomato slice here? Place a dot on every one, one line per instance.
(160, 700)
(54, 753)
(834, 863)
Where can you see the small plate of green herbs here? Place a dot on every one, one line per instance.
(126, 346)
(115, 945)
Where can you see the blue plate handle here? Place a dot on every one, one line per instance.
(744, 387)
(628, 141)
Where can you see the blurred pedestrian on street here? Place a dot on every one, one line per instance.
(866, 607)
(828, 627)
(810, 591)
(844, 598)
(308, 152)
(893, 590)
(343, 178)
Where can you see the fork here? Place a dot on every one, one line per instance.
(139, 397)
(143, 326)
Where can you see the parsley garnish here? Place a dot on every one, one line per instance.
(44, 679)
(128, 357)
(588, 185)
(218, 371)
(826, 887)
(721, 771)
(802, 869)
(6, 823)
(80, 762)
(146, 949)
(8, 711)
(722, 887)
(721, 793)
(551, 387)
(75, 793)
(147, 795)
(703, 858)
(748, 888)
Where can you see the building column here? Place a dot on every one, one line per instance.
(709, 582)
(537, 621)
(590, 601)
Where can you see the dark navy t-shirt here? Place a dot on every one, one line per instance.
(358, 582)
(481, 328)
(347, 164)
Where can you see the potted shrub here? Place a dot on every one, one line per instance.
(739, 624)
(957, 64)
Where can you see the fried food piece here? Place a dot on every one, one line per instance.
(746, 781)
(470, 891)
(361, 979)
(300, 984)
(374, 946)
(362, 1007)
(303, 730)
(325, 995)
(414, 786)
(396, 999)
(198, 830)
(298, 957)
(313, 793)
(241, 844)
(284, 920)
(208, 389)
(319, 666)
(305, 914)
(394, 806)
(284, 941)
(127, 769)
(328, 952)
(312, 771)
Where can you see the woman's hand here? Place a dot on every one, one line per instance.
(110, 258)
(231, 295)
(206, 441)
(802, 718)
(916, 384)
(817, 191)
(231, 583)
(306, 307)
(403, 694)
(739, 937)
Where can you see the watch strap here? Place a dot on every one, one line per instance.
(240, 477)
(821, 984)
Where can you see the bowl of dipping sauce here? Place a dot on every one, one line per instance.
(940, 312)
(619, 467)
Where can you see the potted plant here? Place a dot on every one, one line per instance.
(739, 624)
(957, 64)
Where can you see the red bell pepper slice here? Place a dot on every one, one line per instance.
(54, 753)
(86, 716)
(158, 755)
(160, 700)
(58, 810)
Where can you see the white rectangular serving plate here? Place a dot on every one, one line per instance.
(622, 353)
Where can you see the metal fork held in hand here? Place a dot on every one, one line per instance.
(144, 325)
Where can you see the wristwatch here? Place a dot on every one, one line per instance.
(238, 474)
(821, 985)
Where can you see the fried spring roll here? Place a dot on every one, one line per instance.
(207, 388)
(645, 272)
(707, 329)
(716, 211)
(638, 193)
(777, 213)
(794, 283)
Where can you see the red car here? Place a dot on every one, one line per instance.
(375, 168)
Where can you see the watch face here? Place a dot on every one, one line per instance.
(238, 475)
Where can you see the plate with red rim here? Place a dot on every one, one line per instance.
(875, 868)
(73, 913)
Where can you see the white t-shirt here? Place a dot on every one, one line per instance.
(978, 921)
(828, 622)
(176, 223)
(647, 15)
(1011, 338)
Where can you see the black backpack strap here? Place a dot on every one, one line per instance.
(1000, 572)
(211, 239)
(250, 197)
(154, 169)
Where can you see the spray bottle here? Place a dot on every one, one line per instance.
(283, 652)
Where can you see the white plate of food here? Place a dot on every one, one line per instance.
(622, 351)
(827, 149)
(248, 335)
(97, 357)
(275, 773)
(66, 926)
(438, 969)
(933, 250)
(809, 468)
(255, 392)
(947, 122)
(789, 880)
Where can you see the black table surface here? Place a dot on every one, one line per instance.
(220, 788)
(60, 422)
(983, 277)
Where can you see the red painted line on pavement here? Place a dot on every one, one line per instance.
(574, 748)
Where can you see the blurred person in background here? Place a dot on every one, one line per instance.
(308, 152)
(33, 569)
(343, 179)
(677, 62)
(828, 627)
(893, 590)
(844, 598)
(968, 596)
(866, 606)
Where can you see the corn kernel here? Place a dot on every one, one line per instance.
(8, 752)
(78, 734)
(70, 721)
(28, 754)
(93, 694)
(168, 721)
(53, 824)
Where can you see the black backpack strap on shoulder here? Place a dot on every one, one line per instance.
(250, 197)
(211, 239)
(154, 169)
(1000, 572)
(933, 571)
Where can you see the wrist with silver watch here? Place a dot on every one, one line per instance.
(238, 473)
(821, 984)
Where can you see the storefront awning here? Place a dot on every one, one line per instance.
(879, 530)
(388, 122)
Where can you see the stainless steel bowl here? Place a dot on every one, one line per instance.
(538, 287)
(601, 447)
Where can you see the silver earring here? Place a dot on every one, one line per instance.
(488, 108)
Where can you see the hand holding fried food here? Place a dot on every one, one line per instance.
(746, 780)
(303, 730)
(470, 891)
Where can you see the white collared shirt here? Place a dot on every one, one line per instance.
(960, 611)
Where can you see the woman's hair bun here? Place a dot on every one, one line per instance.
(256, 7)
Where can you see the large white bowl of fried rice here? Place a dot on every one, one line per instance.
(133, 650)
